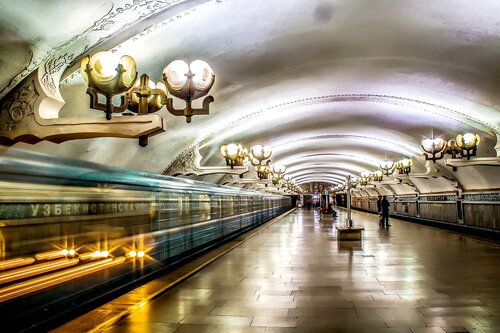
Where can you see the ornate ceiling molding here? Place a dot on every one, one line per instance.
(115, 22)
(419, 105)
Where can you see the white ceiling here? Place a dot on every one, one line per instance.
(332, 86)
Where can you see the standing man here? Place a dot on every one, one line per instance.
(379, 209)
(385, 211)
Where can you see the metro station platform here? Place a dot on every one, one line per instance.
(293, 276)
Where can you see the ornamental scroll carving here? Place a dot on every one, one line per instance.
(189, 163)
(183, 164)
(18, 106)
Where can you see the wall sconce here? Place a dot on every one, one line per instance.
(404, 166)
(285, 181)
(377, 175)
(277, 171)
(234, 154)
(263, 170)
(111, 76)
(365, 178)
(260, 160)
(467, 144)
(387, 167)
(434, 149)
(354, 181)
(260, 153)
(463, 146)
(108, 75)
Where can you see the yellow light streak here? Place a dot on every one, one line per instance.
(53, 279)
(38, 269)
(17, 262)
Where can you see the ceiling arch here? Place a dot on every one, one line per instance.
(334, 87)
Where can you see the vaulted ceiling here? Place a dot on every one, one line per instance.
(333, 87)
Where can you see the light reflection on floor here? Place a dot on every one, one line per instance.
(294, 277)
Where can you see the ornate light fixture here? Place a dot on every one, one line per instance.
(234, 154)
(263, 170)
(452, 149)
(377, 175)
(354, 181)
(260, 160)
(404, 166)
(467, 143)
(387, 167)
(277, 173)
(260, 153)
(365, 178)
(434, 149)
(286, 181)
(111, 76)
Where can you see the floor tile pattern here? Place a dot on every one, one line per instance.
(295, 277)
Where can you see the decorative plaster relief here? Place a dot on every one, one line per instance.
(115, 20)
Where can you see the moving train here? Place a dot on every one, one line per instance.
(73, 233)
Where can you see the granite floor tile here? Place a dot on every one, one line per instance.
(294, 277)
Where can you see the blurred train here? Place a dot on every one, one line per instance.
(73, 233)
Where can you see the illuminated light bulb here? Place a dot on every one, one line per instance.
(433, 145)
(467, 140)
(203, 74)
(176, 74)
(140, 254)
(223, 151)
(386, 164)
(65, 252)
(132, 254)
(104, 65)
(72, 252)
(232, 150)
(104, 254)
(279, 169)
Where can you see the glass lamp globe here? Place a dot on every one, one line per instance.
(386, 164)
(279, 169)
(223, 151)
(108, 73)
(188, 82)
(433, 145)
(232, 150)
(260, 152)
(365, 174)
(467, 140)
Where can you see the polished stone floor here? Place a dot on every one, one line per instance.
(295, 277)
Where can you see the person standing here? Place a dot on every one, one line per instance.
(385, 211)
(379, 209)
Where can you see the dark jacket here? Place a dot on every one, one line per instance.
(385, 206)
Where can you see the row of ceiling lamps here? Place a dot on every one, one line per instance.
(236, 155)
(464, 145)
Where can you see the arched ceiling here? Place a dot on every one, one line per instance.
(332, 86)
